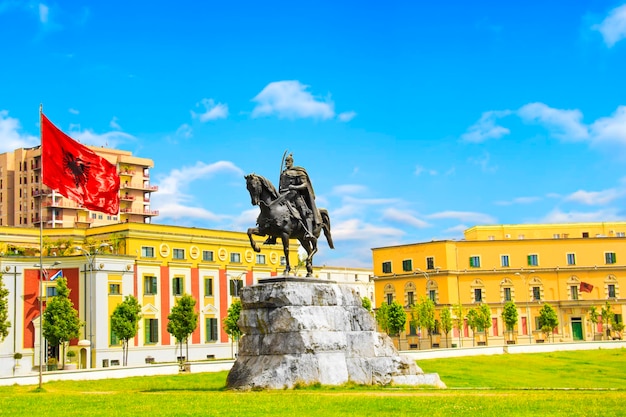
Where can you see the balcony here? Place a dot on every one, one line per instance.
(127, 197)
(139, 211)
(62, 204)
(135, 186)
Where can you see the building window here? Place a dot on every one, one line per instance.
(236, 285)
(386, 267)
(574, 292)
(149, 285)
(114, 340)
(177, 286)
(571, 259)
(147, 252)
(207, 255)
(114, 289)
(474, 261)
(389, 299)
(432, 294)
(211, 330)
(478, 295)
(235, 258)
(51, 291)
(260, 259)
(611, 290)
(609, 257)
(410, 298)
(178, 254)
(536, 293)
(407, 265)
(208, 287)
(620, 234)
(507, 294)
(430, 262)
(152, 331)
(533, 260)
(504, 260)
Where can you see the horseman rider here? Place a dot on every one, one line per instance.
(296, 186)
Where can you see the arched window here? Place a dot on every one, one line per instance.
(390, 293)
(611, 287)
(478, 294)
(409, 294)
(573, 285)
(507, 290)
(432, 291)
(535, 288)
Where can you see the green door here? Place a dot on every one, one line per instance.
(577, 329)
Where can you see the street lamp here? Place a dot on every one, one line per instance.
(91, 258)
(43, 272)
(528, 324)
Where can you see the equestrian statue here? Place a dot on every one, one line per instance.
(289, 212)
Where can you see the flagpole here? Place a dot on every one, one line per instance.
(41, 248)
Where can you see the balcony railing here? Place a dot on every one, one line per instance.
(127, 197)
(139, 211)
(140, 186)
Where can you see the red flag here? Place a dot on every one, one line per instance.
(585, 287)
(77, 172)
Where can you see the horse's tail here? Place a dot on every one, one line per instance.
(326, 227)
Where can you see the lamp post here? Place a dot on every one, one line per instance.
(528, 324)
(43, 272)
(91, 257)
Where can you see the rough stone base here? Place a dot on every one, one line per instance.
(303, 332)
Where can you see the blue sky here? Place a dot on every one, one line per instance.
(414, 120)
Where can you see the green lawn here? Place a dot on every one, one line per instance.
(582, 383)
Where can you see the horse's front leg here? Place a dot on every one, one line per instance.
(285, 239)
(309, 258)
(254, 231)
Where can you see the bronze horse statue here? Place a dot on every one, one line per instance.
(278, 221)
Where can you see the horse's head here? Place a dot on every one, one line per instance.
(254, 186)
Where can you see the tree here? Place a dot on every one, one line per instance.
(182, 321)
(485, 320)
(4, 311)
(125, 322)
(230, 322)
(606, 314)
(396, 319)
(459, 316)
(445, 317)
(60, 319)
(367, 303)
(593, 318)
(509, 316)
(382, 317)
(548, 320)
(424, 316)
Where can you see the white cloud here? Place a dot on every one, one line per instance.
(594, 198)
(113, 123)
(464, 216)
(291, 100)
(109, 139)
(518, 200)
(184, 131)
(212, 111)
(483, 163)
(174, 203)
(43, 13)
(486, 128)
(346, 116)
(404, 217)
(458, 230)
(558, 216)
(613, 27)
(564, 124)
(419, 170)
(349, 189)
(73, 111)
(10, 136)
(355, 229)
(610, 129)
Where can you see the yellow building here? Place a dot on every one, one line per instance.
(20, 193)
(154, 263)
(573, 267)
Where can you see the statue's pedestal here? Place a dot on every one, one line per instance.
(308, 331)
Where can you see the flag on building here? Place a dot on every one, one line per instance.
(58, 274)
(77, 172)
(585, 287)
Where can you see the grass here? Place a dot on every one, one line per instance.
(563, 383)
